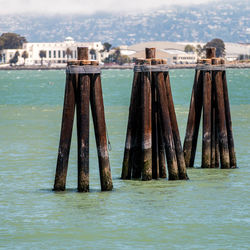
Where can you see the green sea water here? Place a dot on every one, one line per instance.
(210, 211)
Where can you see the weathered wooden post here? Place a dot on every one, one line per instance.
(146, 95)
(82, 107)
(211, 94)
(156, 130)
(193, 122)
(83, 85)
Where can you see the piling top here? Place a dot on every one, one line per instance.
(150, 53)
(210, 52)
(82, 53)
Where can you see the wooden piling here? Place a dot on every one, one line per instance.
(83, 86)
(207, 151)
(150, 53)
(97, 108)
(173, 173)
(214, 131)
(193, 123)
(161, 147)
(206, 137)
(217, 149)
(82, 53)
(82, 107)
(222, 129)
(66, 134)
(147, 119)
(131, 128)
(146, 128)
(210, 52)
(176, 135)
(136, 158)
(233, 163)
(213, 128)
(210, 93)
(151, 124)
(155, 134)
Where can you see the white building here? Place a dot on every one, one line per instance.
(170, 51)
(181, 57)
(54, 52)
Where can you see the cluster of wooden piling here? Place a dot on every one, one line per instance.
(152, 131)
(210, 93)
(83, 86)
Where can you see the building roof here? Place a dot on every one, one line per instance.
(159, 54)
(158, 45)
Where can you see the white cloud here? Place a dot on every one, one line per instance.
(86, 7)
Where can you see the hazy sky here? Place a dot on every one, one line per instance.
(86, 7)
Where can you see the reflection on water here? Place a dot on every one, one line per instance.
(210, 211)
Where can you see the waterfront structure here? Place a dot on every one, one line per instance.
(176, 52)
(55, 52)
(172, 56)
(170, 51)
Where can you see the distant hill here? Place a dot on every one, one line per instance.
(226, 20)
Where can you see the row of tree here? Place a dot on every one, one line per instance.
(11, 41)
(217, 43)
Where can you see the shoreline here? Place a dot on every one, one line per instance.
(179, 66)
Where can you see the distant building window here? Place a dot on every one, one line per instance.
(54, 54)
(50, 54)
(64, 54)
(174, 57)
(59, 54)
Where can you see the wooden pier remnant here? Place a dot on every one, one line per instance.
(83, 86)
(152, 131)
(210, 93)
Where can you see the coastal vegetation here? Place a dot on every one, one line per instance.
(25, 55)
(219, 45)
(11, 41)
(189, 48)
(14, 59)
(117, 57)
(107, 46)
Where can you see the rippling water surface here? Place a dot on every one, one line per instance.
(211, 211)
